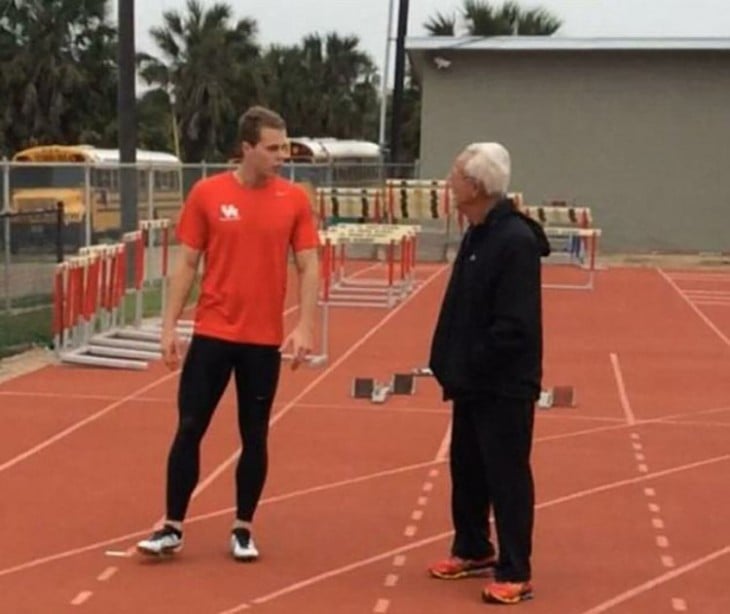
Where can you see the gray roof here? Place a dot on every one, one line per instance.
(563, 43)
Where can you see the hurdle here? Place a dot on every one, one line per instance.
(343, 204)
(88, 292)
(588, 236)
(351, 291)
(157, 232)
(418, 199)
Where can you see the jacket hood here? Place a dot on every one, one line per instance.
(507, 207)
(539, 233)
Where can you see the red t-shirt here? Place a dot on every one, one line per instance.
(245, 235)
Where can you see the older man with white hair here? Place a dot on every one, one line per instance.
(486, 355)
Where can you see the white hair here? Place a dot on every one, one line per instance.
(490, 165)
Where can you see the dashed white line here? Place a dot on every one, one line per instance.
(668, 561)
(650, 492)
(391, 580)
(643, 468)
(422, 501)
(107, 573)
(657, 523)
(653, 507)
(679, 605)
(399, 560)
(433, 473)
(81, 598)
(381, 607)
(662, 541)
(427, 487)
(410, 530)
(417, 515)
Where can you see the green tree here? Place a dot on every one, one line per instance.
(324, 86)
(484, 19)
(207, 68)
(57, 60)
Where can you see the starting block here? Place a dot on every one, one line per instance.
(402, 384)
(557, 396)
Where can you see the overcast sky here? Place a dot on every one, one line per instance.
(287, 21)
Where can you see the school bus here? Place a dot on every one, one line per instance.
(86, 180)
(329, 161)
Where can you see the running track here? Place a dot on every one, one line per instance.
(631, 485)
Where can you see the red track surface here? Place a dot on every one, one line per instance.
(632, 484)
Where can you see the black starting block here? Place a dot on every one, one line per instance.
(378, 392)
(557, 396)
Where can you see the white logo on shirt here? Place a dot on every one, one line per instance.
(229, 212)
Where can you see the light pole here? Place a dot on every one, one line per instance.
(127, 117)
(384, 85)
(400, 61)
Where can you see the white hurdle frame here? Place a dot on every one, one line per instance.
(591, 237)
(347, 291)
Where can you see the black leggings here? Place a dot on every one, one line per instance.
(205, 375)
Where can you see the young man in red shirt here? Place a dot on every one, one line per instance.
(243, 224)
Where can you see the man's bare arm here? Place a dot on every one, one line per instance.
(307, 263)
(181, 282)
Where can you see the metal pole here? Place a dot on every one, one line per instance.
(6, 232)
(400, 61)
(384, 84)
(88, 206)
(126, 102)
(6, 259)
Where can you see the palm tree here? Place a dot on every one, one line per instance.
(206, 67)
(60, 76)
(483, 19)
(325, 86)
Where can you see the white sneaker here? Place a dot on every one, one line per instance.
(242, 545)
(163, 541)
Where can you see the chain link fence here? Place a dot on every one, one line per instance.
(50, 210)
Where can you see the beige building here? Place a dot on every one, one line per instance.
(637, 129)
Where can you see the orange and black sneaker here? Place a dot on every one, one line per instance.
(507, 592)
(454, 567)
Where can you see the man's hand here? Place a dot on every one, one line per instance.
(301, 341)
(171, 348)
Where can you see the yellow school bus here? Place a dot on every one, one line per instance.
(86, 180)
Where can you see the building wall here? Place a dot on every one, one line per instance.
(643, 138)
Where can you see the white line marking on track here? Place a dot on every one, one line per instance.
(668, 561)
(623, 397)
(645, 587)
(381, 607)
(81, 598)
(81, 423)
(696, 309)
(107, 573)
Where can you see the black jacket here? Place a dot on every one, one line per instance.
(488, 338)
